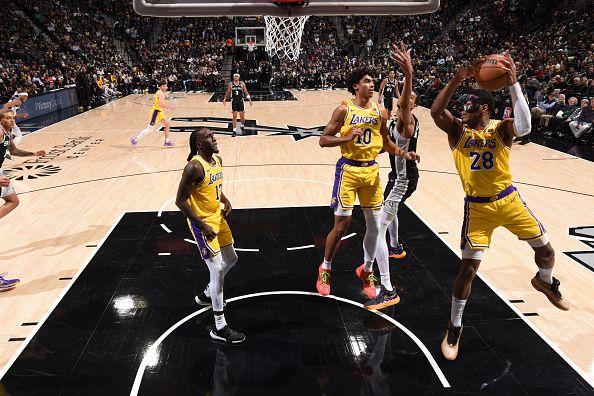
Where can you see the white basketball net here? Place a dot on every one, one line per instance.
(283, 36)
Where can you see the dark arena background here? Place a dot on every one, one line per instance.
(98, 267)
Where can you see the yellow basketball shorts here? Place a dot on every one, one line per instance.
(157, 116)
(209, 249)
(511, 212)
(360, 180)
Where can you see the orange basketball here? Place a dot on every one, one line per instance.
(491, 74)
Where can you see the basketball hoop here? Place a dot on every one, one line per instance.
(251, 45)
(283, 34)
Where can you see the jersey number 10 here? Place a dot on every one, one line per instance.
(364, 138)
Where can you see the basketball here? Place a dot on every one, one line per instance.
(492, 73)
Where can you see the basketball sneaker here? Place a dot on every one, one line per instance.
(451, 342)
(384, 299)
(227, 334)
(323, 283)
(551, 291)
(168, 143)
(203, 299)
(8, 284)
(368, 280)
(396, 252)
(134, 142)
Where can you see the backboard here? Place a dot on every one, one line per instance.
(199, 8)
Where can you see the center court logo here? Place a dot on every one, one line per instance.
(251, 128)
(584, 234)
(31, 172)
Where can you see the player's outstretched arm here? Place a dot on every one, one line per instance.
(402, 57)
(329, 138)
(439, 112)
(521, 124)
(17, 152)
(192, 175)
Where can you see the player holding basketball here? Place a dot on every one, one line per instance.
(199, 198)
(388, 91)
(362, 125)
(481, 148)
(237, 90)
(157, 115)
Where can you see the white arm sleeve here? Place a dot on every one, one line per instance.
(522, 121)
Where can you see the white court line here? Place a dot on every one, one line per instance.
(516, 310)
(163, 207)
(301, 247)
(164, 254)
(57, 301)
(163, 226)
(153, 350)
(190, 241)
(348, 236)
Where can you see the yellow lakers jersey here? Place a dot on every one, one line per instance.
(482, 160)
(367, 146)
(156, 105)
(205, 199)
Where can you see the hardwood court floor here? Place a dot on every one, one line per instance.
(71, 199)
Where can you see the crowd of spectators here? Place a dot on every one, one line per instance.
(554, 58)
(190, 52)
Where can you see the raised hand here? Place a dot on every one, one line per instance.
(401, 56)
(511, 69)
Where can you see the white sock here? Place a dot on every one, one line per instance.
(372, 226)
(144, 132)
(457, 310)
(220, 321)
(327, 264)
(546, 274)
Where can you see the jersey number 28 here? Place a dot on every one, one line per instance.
(481, 161)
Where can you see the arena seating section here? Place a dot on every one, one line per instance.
(552, 43)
